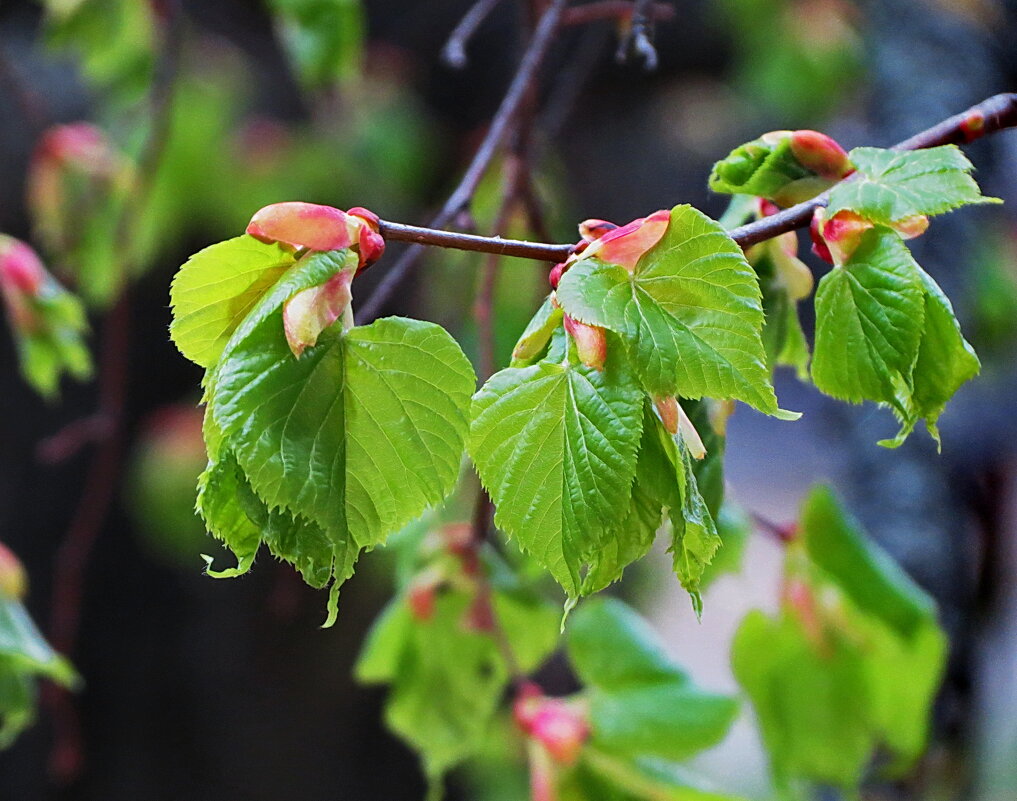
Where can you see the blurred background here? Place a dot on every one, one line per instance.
(199, 689)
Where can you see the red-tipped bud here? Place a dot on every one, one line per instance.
(973, 126)
(524, 708)
(561, 728)
(81, 145)
(667, 408)
(320, 228)
(624, 246)
(818, 244)
(554, 277)
(13, 580)
(421, 597)
(591, 342)
(842, 233)
(21, 269)
(311, 311)
(591, 230)
(821, 154)
(303, 225)
(766, 208)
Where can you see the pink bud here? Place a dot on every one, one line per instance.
(21, 269)
(591, 342)
(80, 144)
(302, 225)
(526, 704)
(973, 126)
(311, 311)
(554, 277)
(766, 208)
(13, 580)
(624, 246)
(842, 233)
(591, 230)
(561, 728)
(667, 408)
(818, 244)
(822, 155)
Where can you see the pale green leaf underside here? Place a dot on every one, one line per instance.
(869, 318)
(891, 185)
(360, 434)
(216, 288)
(556, 447)
(690, 315)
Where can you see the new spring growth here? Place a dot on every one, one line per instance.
(74, 168)
(821, 154)
(13, 579)
(677, 422)
(782, 250)
(22, 277)
(319, 228)
(560, 726)
(835, 239)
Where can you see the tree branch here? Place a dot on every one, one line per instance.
(501, 126)
(454, 52)
(638, 39)
(990, 116)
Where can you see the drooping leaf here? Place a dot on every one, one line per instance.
(537, 334)
(606, 777)
(869, 322)
(641, 703)
(360, 434)
(689, 315)
(694, 534)
(215, 290)
(555, 445)
(891, 185)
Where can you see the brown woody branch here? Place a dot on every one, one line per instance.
(990, 116)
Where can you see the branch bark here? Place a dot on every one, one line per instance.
(990, 116)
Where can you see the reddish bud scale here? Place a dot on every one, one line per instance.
(667, 408)
(591, 230)
(973, 126)
(821, 154)
(766, 208)
(554, 277)
(21, 269)
(624, 246)
(319, 228)
(591, 342)
(422, 597)
(561, 728)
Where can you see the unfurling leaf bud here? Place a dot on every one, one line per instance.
(591, 342)
(13, 580)
(591, 230)
(560, 726)
(624, 246)
(821, 154)
(689, 435)
(319, 228)
(22, 276)
(311, 311)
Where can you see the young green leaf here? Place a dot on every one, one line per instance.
(689, 314)
(607, 777)
(555, 445)
(641, 703)
(869, 321)
(766, 167)
(891, 185)
(360, 434)
(215, 290)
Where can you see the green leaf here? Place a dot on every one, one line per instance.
(446, 679)
(869, 322)
(694, 534)
(945, 362)
(641, 704)
(555, 445)
(24, 655)
(535, 338)
(811, 706)
(690, 313)
(891, 185)
(360, 434)
(217, 288)
(220, 506)
(861, 569)
(605, 777)
(766, 169)
(323, 38)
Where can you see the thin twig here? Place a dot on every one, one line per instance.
(454, 52)
(782, 532)
(618, 10)
(638, 40)
(995, 114)
(529, 68)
